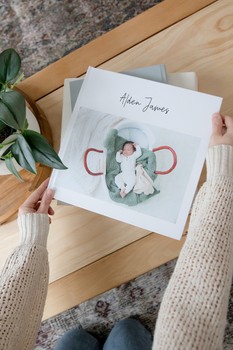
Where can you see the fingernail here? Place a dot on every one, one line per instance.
(216, 117)
(50, 192)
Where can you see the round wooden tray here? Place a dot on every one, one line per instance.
(14, 192)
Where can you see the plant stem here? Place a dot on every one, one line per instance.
(17, 81)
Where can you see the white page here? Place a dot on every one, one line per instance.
(152, 114)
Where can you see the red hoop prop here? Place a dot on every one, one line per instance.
(174, 159)
(85, 160)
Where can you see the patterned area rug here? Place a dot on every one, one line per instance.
(139, 298)
(42, 32)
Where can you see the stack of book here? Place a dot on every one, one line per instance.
(164, 123)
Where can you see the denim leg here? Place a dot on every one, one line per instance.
(129, 334)
(78, 339)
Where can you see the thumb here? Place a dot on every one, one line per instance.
(217, 124)
(46, 201)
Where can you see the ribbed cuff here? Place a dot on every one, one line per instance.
(33, 228)
(219, 161)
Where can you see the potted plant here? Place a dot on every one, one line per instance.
(18, 144)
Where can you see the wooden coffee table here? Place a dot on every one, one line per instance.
(89, 253)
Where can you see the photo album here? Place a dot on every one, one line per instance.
(134, 149)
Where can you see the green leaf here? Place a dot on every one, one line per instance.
(42, 151)
(10, 63)
(11, 167)
(10, 139)
(2, 126)
(13, 109)
(23, 154)
(5, 151)
(25, 124)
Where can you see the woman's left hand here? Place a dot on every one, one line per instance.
(39, 201)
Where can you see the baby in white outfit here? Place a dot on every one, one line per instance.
(125, 180)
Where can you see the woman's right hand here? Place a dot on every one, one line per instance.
(222, 130)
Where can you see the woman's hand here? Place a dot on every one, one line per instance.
(39, 201)
(222, 130)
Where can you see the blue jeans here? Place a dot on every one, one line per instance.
(128, 334)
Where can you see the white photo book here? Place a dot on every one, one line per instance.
(135, 149)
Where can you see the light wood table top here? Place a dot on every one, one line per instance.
(89, 253)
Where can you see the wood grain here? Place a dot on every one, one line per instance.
(202, 43)
(14, 193)
(110, 271)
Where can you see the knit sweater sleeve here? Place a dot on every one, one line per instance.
(194, 307)
(23, 285)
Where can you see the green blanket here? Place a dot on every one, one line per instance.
(114, 143)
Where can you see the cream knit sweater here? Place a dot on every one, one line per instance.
(194, 307)
(23, 285)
